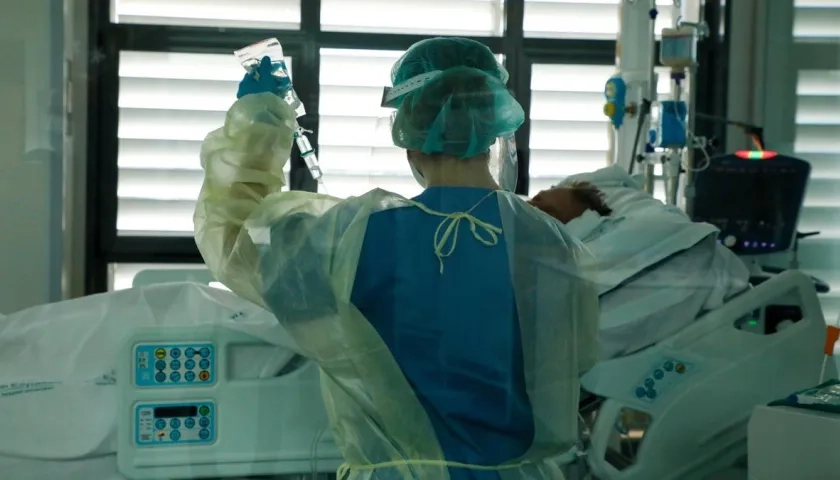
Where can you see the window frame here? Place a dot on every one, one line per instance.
(103, 246)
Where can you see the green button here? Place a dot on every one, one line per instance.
(204, 411)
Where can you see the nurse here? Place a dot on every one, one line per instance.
(450, 328)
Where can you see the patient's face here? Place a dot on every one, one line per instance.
(560, 203)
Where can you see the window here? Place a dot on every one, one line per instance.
(569, 132)
(268, 14)
(175, 77)
(817, 132)
(816, 20)
(168, 103)
(355, 147)
(594, 19)
(430, 17)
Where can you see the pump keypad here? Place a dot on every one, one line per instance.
(183, 365)
(175, 424)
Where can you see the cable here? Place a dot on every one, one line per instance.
(644, 112)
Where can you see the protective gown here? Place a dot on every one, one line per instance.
(296, 253)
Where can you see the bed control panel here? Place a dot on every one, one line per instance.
(662, 376)
(187, 423)
(182, 365)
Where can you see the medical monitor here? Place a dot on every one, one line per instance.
(754, 198)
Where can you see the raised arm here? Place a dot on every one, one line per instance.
(243, 163)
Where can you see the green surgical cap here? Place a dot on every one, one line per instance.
(462, 111)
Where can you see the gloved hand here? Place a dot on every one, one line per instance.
(261, 80)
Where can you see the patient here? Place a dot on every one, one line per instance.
(568, 202)
(642, 250)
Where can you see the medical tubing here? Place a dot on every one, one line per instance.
(644, 111)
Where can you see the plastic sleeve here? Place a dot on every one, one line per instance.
(243, 163)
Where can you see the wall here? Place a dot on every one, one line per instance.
(31, 119)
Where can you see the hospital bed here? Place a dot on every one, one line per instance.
(694, 423)
(706, 351)
(679, 409)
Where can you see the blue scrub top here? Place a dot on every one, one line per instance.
(455, 335)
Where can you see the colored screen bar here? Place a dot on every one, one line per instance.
(755, 154)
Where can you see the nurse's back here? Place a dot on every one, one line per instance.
(454, 334)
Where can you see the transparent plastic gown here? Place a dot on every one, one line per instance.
(296, 253)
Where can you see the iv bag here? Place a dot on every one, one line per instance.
(250, 57)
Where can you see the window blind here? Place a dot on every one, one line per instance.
(276, 14)
(569, 132)
(355, 146)
(168, 103)
(590, 19)
(817, 24)
(429, 17)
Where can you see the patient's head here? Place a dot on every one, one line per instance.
(567, 202)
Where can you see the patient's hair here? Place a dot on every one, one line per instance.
(589, 195)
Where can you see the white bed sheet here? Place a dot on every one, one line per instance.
(656, 270)
(668, 297)
(98, 468)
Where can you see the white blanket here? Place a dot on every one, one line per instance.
(641, 232)
(668, 268)
(57, 361)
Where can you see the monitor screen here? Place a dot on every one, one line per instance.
(755, 204)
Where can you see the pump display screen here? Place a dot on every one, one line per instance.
(176, 411)
(754, 203)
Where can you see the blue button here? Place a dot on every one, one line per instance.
(175, 376)
(189, 423)
(203, 422)
(160, 377)
(175, 435)
(205, 352)
(160, 365)
(160, 424)
(669, 365)
(204, 434)
(649, 382)
(175, 423)
(189, 364)
(189, 376)
(175, 353)
(204, 364)
(658, 374)
(651, 393)
(175, 365)
(640, 392)
(189, 352)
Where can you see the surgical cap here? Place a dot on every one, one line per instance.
(460, 112)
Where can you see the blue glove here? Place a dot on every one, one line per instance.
(262, 80)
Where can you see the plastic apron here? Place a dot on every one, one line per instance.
(377, 420)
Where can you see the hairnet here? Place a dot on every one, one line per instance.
(460, 112)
